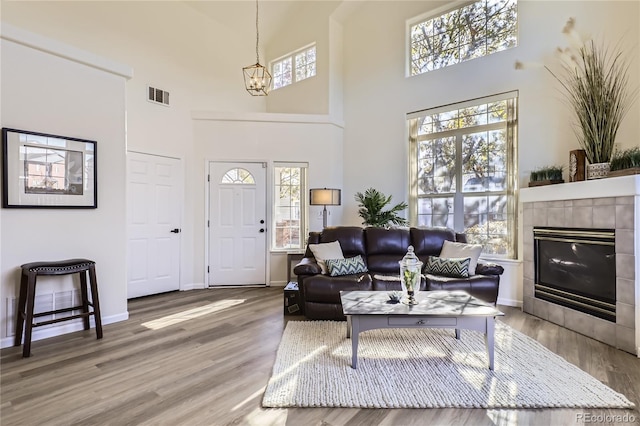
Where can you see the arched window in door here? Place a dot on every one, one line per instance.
(238, 176)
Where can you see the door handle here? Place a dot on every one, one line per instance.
(175, 231)
(261, 220)
(261, 229)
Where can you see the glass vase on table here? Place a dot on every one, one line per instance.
(410, 276)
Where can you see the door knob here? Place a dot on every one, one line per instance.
(261, 229)
(175, 231)
(261, 220)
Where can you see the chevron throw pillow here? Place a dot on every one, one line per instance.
(452, 267)
(352, 265)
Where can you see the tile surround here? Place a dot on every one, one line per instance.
(611, 212)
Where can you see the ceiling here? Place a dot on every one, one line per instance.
(241, 14)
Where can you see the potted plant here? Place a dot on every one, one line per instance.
(626, 162)
(371, 205)
(546, 176)
(596, 84)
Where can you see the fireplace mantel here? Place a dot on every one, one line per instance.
(598, 188)
(612, 203)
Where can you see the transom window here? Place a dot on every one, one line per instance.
(293, 67)
(463, 169)
(238, 176)
(471, 31)
(289, 216)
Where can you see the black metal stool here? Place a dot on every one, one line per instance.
(25, 314)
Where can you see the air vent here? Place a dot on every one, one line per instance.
(158, 96)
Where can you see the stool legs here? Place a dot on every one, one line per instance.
(85, 298)
(95, 300)
(31, 296)
(20, 310)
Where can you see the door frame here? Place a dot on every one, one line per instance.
(268, 214)
(181, 210)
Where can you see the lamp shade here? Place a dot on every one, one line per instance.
(324, 197)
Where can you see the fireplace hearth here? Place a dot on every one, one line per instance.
(576, 268)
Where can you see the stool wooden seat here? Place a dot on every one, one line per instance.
(25, 315)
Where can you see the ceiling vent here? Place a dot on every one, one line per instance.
(158, 96)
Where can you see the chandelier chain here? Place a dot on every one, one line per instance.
(257, 35)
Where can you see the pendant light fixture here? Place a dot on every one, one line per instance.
(257, 79)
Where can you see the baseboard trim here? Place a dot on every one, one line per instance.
(68, 327)
(193, 286)
(510, 302)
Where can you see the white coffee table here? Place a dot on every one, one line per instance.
(368, 310)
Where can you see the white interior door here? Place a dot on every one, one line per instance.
(154, 197)
(237, 223)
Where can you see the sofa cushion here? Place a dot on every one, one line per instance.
(351, 265)
(454, 267)
(385, 248)
(326, 289)
(428, 241)
(462, 250)
(483, 287)
(325, 251)
(383, 282)
(351, 239)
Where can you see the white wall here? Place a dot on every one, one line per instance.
(46, 93)
(171, 46)
(310, 24)
(269, 138)
(378, 95)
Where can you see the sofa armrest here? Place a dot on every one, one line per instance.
(307, 266)
(489, 269)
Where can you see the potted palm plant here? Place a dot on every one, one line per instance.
(370, 209)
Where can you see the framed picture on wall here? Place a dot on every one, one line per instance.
(48, 171)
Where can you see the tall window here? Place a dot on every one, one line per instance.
(293, 67)
(471, 31)
(290, 206)
(463, 170)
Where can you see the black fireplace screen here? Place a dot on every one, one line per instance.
(576, 268)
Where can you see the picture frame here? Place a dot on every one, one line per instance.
(41, 170)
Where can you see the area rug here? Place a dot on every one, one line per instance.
(426, 368)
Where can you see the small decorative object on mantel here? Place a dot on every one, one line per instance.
(546, 176)
(577, 162)
(597, 170)
(410, 268)
(625, 162)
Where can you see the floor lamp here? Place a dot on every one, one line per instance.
(324, 197)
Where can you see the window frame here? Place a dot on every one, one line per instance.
(292, 57)
(458, 195)
(304, 205)
(440, 12)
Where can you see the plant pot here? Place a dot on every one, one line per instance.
(597, 170)
(544, 182)
(625, 172)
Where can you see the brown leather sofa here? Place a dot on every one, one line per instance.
(382, 249)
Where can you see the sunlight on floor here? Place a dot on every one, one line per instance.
(191, 314)
(503, 417)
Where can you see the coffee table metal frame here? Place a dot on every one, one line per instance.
(437, 309)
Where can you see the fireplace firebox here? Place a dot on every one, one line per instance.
(576, 268)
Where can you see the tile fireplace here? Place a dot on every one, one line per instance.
(581, 252)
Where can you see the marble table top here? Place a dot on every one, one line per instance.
(434, 303)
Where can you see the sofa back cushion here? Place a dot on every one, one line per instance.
(428, 241)
(351, 240)
(385, 248)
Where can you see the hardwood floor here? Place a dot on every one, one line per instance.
(203, 357)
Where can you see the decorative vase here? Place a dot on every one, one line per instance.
(410, 276)
(597, 170)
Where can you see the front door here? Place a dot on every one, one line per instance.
(237, 224)
(154, 198)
